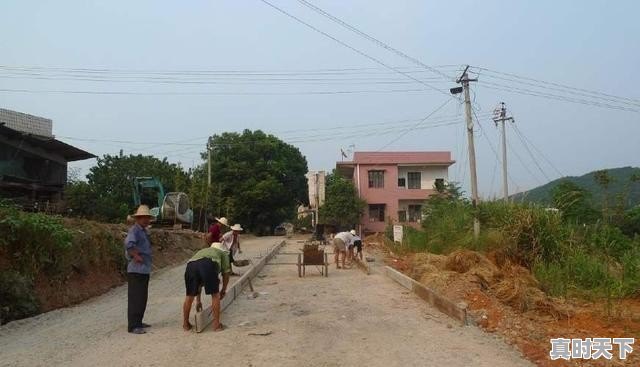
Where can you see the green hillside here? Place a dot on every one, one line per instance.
(620, 184)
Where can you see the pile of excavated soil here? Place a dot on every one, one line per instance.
(511, 284)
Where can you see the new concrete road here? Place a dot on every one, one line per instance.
(347, 319)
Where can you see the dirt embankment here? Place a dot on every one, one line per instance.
(101, 265)
(506, 299)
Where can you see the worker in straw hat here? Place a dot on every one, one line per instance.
(231, 242)
(204, 269)
(138, 253)
(215, 230)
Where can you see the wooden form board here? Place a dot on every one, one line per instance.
(205, 317)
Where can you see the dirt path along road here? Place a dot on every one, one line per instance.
(347, 319)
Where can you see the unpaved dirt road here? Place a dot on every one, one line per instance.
(347, 319)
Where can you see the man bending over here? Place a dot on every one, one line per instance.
(204, 269)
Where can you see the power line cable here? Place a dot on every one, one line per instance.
(535, 161)
(330, 131)
(332, 128)
(614, 100)
(565, 98)
(376, 133)
(524, 137)
(135, 73)
(193, 93)
(218, 72)
(353, 48)
(507, 88)
(372, 39)
(323, 137)
(416, 125)
(556, 84)
(402, 127)
(227, 80)
(524, 165)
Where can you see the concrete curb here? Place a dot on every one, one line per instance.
(204, 318)
(235, 290)
(444, 305)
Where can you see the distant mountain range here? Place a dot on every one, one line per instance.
(621, 178)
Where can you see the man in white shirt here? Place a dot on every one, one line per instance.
(231, 242)
(341, 242)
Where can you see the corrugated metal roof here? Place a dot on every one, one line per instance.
(68, 152)
(427, 158)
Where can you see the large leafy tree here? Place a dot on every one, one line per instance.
(342, 206)
(110, 183)
(257, 179)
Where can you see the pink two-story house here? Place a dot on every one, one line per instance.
(394, 184)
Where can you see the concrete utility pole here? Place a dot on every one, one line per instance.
(209, 165)
(501, 115)
(464, 80)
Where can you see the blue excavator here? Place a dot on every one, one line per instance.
(172, 208)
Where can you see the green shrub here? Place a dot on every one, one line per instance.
(388, 230)
(587, 272)
(580, 274)
(606, 239)
(17, 298)
(536, 235)
(553, 278)
(35, 242)
(631, 270)
(495, 214)
(448, 225)
(93, 246)
(414, 239)
(630, 222)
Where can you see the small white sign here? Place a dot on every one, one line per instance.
(397, 233)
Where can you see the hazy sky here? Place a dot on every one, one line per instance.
(593, 45)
